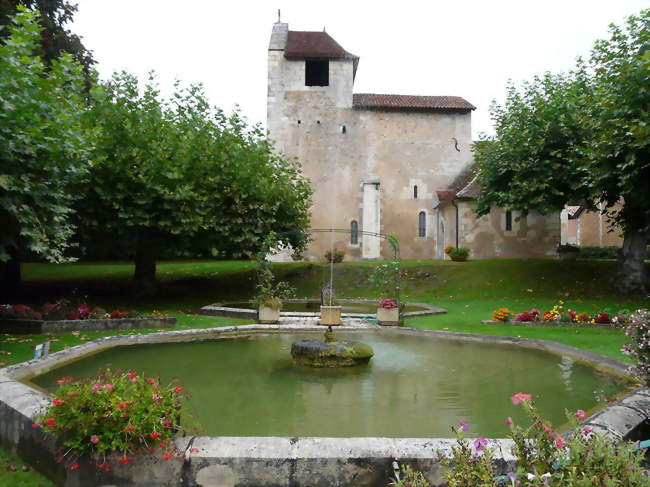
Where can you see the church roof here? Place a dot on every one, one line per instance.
(410, 102)
(314, 45)
(464, 186)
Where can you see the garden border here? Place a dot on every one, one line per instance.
(271, 461)
(26, 327)
(565, 324)
(222, 309)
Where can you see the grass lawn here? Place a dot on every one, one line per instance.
(468, 290)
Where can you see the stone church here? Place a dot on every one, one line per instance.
(382, 163)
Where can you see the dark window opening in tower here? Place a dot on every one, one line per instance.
(415, 192)
(422, 224)
(508, 221)
(317, 73)
(354, 232)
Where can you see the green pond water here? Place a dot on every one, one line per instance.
(314, 307)
(414, 386)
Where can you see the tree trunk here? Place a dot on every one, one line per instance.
(632, 276)
(12, 276)
(145, 267)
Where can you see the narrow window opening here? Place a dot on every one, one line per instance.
(422, 224)
(318, 122)
(299, 122)
(317, 73)
(354, 233)
(343, 130)
(415, 192)
(508, 221)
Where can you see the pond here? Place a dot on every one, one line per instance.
(415, 385)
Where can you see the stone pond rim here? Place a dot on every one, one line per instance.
(331, 352)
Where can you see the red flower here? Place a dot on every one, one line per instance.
(74, 466)
(129, 428)
(151, 381)
(178, 389)
(122, 404)
(132, 375)
(125, 460)
(117, 314)
(65, 380)
(36, 425)
(83, 312)
(168, 456)
(102, 465)
(154, 435)
(602, 318)
(73, 394)
(388, 303)
(50, 422)
(72, 315)
(58, 402)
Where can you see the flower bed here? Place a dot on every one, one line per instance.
(61, 317)
(557, 315)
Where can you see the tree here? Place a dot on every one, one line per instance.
(580, 138)
(55, 39)
(178, 173)
(43, 147)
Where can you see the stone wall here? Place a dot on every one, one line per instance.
(532, 236)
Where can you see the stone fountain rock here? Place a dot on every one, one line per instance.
(331, 352)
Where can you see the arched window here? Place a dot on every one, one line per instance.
(415, 192)
(354, 233)
(508, 221)
(422, 224)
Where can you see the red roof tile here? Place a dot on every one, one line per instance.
(314, 45)
(371, 100)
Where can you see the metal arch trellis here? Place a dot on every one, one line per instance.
(394, 244)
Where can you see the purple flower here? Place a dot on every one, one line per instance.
(480, 443)
(463, 426)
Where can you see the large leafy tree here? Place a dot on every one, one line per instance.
(43, 147)
(580, 138)
(55, 37)
(178, 173)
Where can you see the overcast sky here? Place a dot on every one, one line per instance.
(463, 48)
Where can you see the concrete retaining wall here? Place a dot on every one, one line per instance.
(269, 461)
(62, 326)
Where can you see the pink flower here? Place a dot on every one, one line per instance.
(388, 303)
(95, 388)
(132, 375)
(587, 430)
(560, 442)
(463, 426)
(108, 387)
(547, 429)
(94, 439)
(480, 443)
(102, 465)
(74, 466)
(580, 414)
(520, 397)
(508, 421)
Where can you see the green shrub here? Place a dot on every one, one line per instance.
(580, 458)
(115, 414)
(459, 253)
(593, 252)
(407, 477)
(335, 257)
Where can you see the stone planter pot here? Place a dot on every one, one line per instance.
(388, 316)
(330, 315)
(267, 315)
(458, 259)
